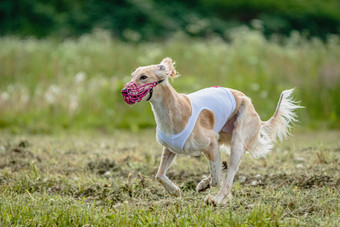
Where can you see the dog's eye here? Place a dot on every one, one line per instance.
(143, 77)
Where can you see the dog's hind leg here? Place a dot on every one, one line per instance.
(166, 160)
(236, 155)
(215, 165)
(246, 128)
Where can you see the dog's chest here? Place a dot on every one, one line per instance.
(190, 147)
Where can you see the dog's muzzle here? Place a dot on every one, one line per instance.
(132, 93)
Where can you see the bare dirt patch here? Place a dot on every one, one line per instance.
(17, 156)
(300, 181)
(103, 167)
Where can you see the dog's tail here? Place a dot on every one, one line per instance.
(278, 126)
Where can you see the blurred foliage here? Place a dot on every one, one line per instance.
(136, 20)
(75, 84)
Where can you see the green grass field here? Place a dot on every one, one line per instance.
(103, 180)
(48, 85)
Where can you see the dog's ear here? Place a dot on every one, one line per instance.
(166, 69)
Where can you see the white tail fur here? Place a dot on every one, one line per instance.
(278, 126)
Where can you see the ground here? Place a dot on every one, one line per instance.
(108, 179)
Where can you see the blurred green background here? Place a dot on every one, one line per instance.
(136, 20)
(62, 63)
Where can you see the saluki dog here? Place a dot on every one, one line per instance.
(201, 122)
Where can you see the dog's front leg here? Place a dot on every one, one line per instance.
(215, 165)
(166, 160)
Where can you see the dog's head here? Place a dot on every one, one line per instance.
(144, 81)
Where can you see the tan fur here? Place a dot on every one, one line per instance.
(243, 131)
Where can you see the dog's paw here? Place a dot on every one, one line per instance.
(176, 192)
(203, 185)
(215, 201)
(209, 200)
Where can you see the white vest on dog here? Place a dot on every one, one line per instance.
(219, 100)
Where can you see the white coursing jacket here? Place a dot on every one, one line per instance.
(219, 100)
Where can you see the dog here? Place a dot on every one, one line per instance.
(201, 122)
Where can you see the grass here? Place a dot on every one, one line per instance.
(49, 85)
(108, 179)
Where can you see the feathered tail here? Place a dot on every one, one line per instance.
(278, 126)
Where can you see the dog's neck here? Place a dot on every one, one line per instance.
(171, 110)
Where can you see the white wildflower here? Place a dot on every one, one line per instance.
(51, 94)
(73, 104)
(264, 94)
(54, 89)
(4, 96)
(10, 88)
(24, 98)
(254, 86)
(80, 77)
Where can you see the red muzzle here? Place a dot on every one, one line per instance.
(132, 93)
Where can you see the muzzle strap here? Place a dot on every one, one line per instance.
(160, 81)
(151, 89)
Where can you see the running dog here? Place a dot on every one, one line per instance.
(201, 122)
